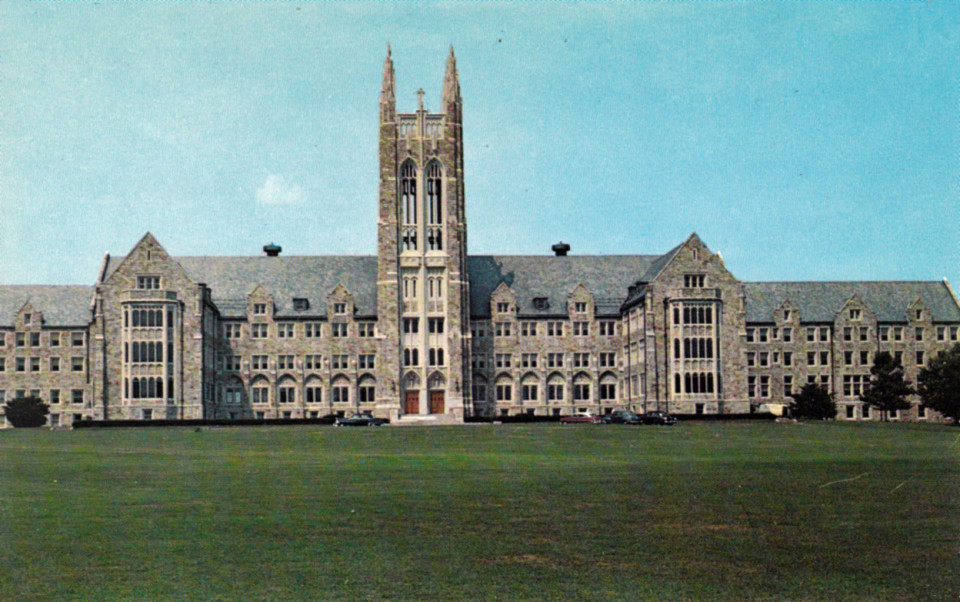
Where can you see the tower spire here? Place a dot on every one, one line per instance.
(451, 83)
(388, 101)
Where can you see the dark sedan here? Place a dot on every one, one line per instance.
(359, 420)
(657, 418)
(621, 417)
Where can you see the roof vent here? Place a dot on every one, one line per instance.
(560, 249)
(272, 250)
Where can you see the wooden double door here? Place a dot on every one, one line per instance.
(436, 402)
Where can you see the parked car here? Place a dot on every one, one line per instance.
(621, 417)
(657, 418)
(364, 419)
(582, 418)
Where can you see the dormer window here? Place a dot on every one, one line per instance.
(694, 280)
(786, 315)
(339, 308)
(26, 318)
(580, 307)
(919, 314)
(503, 307)
(541, 303)
(300, 304)
(259, 309)
(148, 283)
(855, 314)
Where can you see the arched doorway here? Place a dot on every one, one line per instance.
(411, 391)
(437, 385)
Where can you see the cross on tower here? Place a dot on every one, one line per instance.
(420, 94)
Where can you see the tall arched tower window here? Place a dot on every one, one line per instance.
(434, 207)
(408, 205)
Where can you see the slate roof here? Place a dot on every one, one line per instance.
(232, 279)
(531, 276)
(61, 305)
(820, 301)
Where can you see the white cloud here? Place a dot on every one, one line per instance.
(277, 191)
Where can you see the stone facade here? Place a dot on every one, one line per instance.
(423, 330)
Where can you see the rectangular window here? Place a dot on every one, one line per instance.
(259, 309)
(694, 280)
(811, 358)
(502, 329)
(148, 282)
(554, 329)
(365, 361)
(367, 393)
(411, 325)
(941, 333)
(751, 358)
(811, 335)
(528, 329)
(231, 331)
(864, 332)
(529, 392)
(435, 325)
(287, 394)
(751, 335)
(555, 392)
(258, 331)
(528, 360)
(54, 339)
(898, 333)
(314, 394)
(884, 333)
(312, 330)
(554, 360)
(21, 364)
(918, 333)
(953, 333)
(503, 307)
(339, 329)
(231, 363)
(259, 362)
(824, 358)
(762, 335)
(854, 314)
(34, 364)
(76, 395)
(824, 334)
(20, 339)
(764, 359)
(788, 385)
(581, 329)
(581, 360)
(787, 358)
(751, 386)
(54, 396)
(607, 328)
(76, 364)
(581, 392)
(312, 362)
(3, 364)
(284, 362)
(847, 333)
(285, 330)
(580, 307)
(864, 358)
(340, 308)
(503, 360)
(504, 393)
(787, 335)
(261, 395)
(366, 329)
(608, 360)
(847, 358)
(765, 387)
(339, 362)
(919, 358)
(34, 339)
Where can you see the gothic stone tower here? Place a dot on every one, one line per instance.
(423, 297)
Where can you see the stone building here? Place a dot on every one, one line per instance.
(425, 332)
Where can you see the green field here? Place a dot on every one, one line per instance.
(699, 511)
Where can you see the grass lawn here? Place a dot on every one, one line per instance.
(716, 511)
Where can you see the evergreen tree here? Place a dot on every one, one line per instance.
(815, 402)
(26, 412)
(887, 389)
(940, 383)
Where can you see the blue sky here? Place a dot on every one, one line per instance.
(805, 141)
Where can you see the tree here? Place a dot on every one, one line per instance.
(26, 412)
(813, 401)
(887, 389)
(940, 383)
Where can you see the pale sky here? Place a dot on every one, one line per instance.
(805, 141)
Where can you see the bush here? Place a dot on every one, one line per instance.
(26, 412)
(815, 402)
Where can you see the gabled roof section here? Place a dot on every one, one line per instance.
(61, 305)
(554, 278)
(820, 301)
(661, 263)
(231, 279)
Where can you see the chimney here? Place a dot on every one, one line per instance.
(560, 249)
(272, 250)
